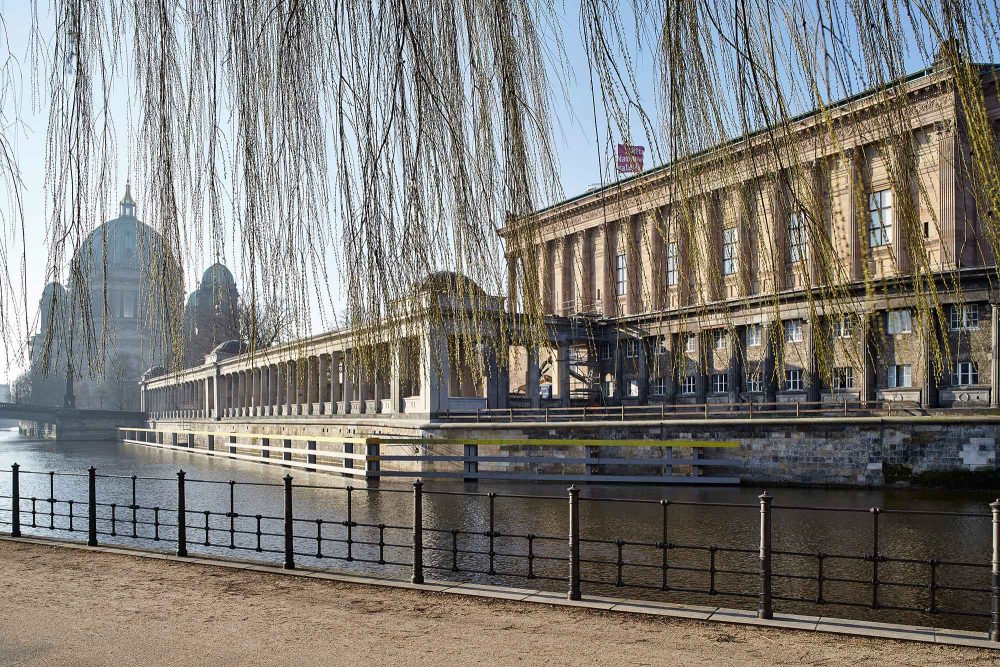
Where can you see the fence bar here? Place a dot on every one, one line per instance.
(15, 501)
(418, 532)
(875, 557)
(574, 543)
(181, 516)
(289, 525)
(995, 597)
(92, 506)
(764, 605)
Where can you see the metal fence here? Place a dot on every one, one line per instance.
(668, 411)
(287, 523)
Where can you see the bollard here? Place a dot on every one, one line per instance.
(92, 506)
(764, 605)
(574, 543)
(289, 536)
(418, 532)
(181, 516)
(995, 596)
(15, 501)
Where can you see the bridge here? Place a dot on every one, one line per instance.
(71, 424)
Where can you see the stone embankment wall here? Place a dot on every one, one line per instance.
(865, 451)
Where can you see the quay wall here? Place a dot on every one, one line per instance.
(860, 451)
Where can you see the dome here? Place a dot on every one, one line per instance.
(448, 282)
(154, 372)
(126, 242)
(217, 276)
(192, 301)
(231, 347)
(53, 289)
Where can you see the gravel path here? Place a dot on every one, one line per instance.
(66, 607)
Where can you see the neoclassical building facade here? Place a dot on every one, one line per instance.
(787, 282)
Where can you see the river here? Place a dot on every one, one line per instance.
(700, 536)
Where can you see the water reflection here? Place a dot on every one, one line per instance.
(711, 547)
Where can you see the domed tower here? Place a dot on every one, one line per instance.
(212, 313)
(125, 281)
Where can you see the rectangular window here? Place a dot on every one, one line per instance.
(620, 275)
(690, 385)
(965, 317)
(793, 379)
(128, 305)
(754, 381)
(691, 343)
(720, 339)
(842, 326)
(729, 259)
(797, 248)
(843, 378)
(631, 349)
(609, 388)
(607, 352)
(898, 322)
(658, 387)
(633, 389)
(671, 264)
(662, 345)
(880, 218)
(966, 374)
(720, 383)
(753, 335)
(793, 331)
(900, 376)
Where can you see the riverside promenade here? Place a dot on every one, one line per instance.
(74, 605)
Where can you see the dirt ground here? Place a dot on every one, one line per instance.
(63, 606)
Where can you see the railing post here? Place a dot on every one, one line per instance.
(15, 501)
(289, 526)
(574, 543)
(418, 532)
(181, 516)
(764, 606)
(92, 506)
(995, 597)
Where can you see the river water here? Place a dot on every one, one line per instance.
(712, 547)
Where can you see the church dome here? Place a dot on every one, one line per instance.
(448, 282)
(217, 276)
(53, 290)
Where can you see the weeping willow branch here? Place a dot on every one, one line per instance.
(340, 152)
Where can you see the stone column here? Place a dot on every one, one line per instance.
(930, 398)
(644, 370)
(291, 388)
(815, 383)
(324, 383)
(562, 358)
(395, 378)
(995, 356)
(869, 354)
(348, 388)
(701, 387)
(735, 365)
(310, 385)
(774, 342)
(363, 388)
(531, 378)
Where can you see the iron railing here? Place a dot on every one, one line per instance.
(668, 411)
(290, 523)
